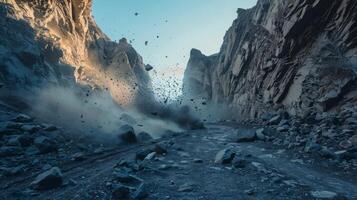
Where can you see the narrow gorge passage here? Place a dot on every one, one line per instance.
(134, 99)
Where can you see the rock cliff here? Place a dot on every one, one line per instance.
(295, 55)
(52, 42)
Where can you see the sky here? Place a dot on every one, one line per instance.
(171, 28)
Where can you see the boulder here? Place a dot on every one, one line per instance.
(48, 180)
(224, 156)
(127, 134)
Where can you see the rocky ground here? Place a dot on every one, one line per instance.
(224, 161)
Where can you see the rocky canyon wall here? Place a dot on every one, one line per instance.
(53, 42)
(295, 55)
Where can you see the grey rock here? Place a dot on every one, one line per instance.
(127, 134)
(324, 194)
(140, 192)
(187, 187)
(160, 148)
(239, 162)
(144, 137)
(275, 120)
(224, 156)
(120, 192)
(260, 133)
(23, 118)
(6, 151)
(48, 180)
(45, 145)
(245, 136)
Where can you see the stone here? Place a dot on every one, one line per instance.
(127, 134)
(120, 192)
(245, 136)
(22, 118)
(144, 137)
(140, 192)
(142, 154)
(283, 128)
(20, 140)
(324, 194)
(187, 187)
(45, 145)
(224, 156)
(312, 147)
(148, 67)
(150, 156)
(125, 178)
(275, 120)
(353, 140)
(260, 133)
(239, 162)
(50, 179)
(7, 151)
(197, 160)
(160, 149)
(30, 128)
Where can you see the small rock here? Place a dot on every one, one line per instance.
(245, 136)
(187, 187)
(160, 149)
(120, 192)
(197, 160)
(283, 128)
(140, 192)
(48, 180)
(260, 133)
(127, 134)
(275, 120)
(311, 147)
(239, 162)
(324, 194)
(30, 128)
(353, 140)
(6, 151)
(150, 156)
(249, 192)
(142, 154)
(225, 156)
(22, 118)
(144, 137)
(148, 67)
(45, 145)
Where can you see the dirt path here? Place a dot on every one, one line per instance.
(188, 171)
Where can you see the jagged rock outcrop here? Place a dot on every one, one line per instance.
(298, 55)
(47, 42)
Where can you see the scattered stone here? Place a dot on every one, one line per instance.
(239, 162)
(142, 154)
(197, 160)
(283, 128)
(127, 134)
(260, 133)
(144, 137)
(150, 156)
(120, 192)
(187, 187)
(324, 194)
(140, 192)
(49, 128)
(45, 145)
(148, 67)
(160, 149)
(6, 151)
(30, 128)
(22, 118)
(245, 136)
(311, 147)
(224, 156)
(249, 192)
(353, 140)
(275, 120)
(48, 180)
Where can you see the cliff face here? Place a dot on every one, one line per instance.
(57, 42)
(299, 55)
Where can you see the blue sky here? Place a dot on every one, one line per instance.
(171, 27)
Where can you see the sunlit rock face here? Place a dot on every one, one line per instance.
(293, 54)
(56, 42)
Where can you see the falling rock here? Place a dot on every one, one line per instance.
(245, 136)
(127, 134)
(148, 67)
(48, 180)
(224, 156)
